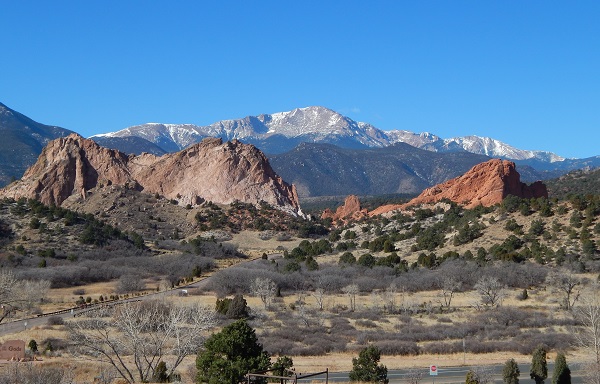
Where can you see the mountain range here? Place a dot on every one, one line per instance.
(280, 132)
(319, 150)
(328, 170)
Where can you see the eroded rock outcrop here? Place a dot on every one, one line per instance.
(485, 184)
(350, 211)
(210, 170)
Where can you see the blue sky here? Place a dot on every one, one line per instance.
(524, 72)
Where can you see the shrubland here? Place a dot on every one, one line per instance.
(504, 278)
(435, 279)
(69, 248)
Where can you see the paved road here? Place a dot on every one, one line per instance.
(451, 375)
(20, 325)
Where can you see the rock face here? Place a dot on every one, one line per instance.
(210, 170)
(350, 211)
(485, 184)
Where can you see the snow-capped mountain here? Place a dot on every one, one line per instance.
(474, 144)
(282, 131)
(170, 137)
(495, 148)
(268, 131)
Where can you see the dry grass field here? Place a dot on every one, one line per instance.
(85, 369)
(418, 310)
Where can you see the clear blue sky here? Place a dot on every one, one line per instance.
(524, 72)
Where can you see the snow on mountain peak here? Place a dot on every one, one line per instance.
(320, 124)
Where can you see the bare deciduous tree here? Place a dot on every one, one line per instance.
(484, 375)
(588, 337)
(414, 376)
(8, 298)
(33, 292)
(351, 291)
(389, 298)
(28, 373)
(129, 283)
(139, 335)
(568, 285)
(319, 295)
(164, 285)
(491, 291)
(449, 287)
(19, 295)
(265, 289)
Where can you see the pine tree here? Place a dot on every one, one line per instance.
(472, 378)
(33, 347)
(511, 372)
(365, 368)
(283, 366)
(539, 367)
(562, 373)
(238, 308)
(231, 354)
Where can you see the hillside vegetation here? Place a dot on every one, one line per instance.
(580, 182)
(503, 279)
(435, 279)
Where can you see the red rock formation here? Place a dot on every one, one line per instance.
(210, 170)
(350, 211)
(485, 184)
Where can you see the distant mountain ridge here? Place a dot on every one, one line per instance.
(328, 170)
(321, 151)
(280, 132)
(273, 133)
(22, 141)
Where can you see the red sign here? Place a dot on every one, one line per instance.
(433, 371)
(12, 350)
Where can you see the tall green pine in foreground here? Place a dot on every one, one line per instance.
(365, 368)
(511, 372)
(539, 367)
(562, 373)
(230, 354)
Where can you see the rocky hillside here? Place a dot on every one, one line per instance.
(485, 184)
(351, 210)
(73, 167)
(581, 182)
(22, 141)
